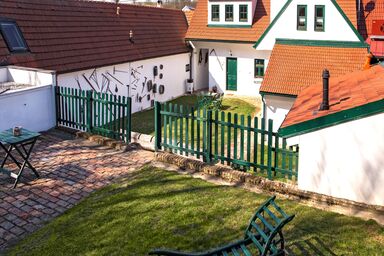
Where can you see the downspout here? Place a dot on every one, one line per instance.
(264, 105)
(190, 59)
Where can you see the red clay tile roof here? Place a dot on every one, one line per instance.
(74, 35)
(349, 8)
(292, 68)
(189, 15)
(345, 92)
(371, 10)
(198, 28)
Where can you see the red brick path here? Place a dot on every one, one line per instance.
(70, 169)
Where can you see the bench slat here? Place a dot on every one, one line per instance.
(260, 231)
(273, 216)
(265, 222)
(245, 250)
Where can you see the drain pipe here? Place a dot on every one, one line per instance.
(190, 59)
(325, 104)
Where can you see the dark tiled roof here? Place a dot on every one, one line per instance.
(292, 68)
(352, 90)
(198, 27)
(68, 35)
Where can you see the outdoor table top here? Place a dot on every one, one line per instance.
(8, 138)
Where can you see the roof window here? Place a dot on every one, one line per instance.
(13, 36)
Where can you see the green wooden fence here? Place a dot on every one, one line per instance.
(242, 142)
(99, 113)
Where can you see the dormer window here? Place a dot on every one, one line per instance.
(13, 36)
(215, 12)
(302, 17)
(243, 13)
(228, 12)
(319, 17)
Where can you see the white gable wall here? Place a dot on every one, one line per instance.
(218, 53)
(336, 28)
(345, 160)
(276, 6)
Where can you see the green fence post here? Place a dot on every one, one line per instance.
(157, 126)
(270, 134)
(129, 118)
(209, 137)
(89, 111)
(57, 105)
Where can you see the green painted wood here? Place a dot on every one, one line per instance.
(89, 111)
(255, 141)
(249, 142)
(216, 137)
(193, 130)
(198, 132)
(242, 137)
(157, 126)
(165, 121)
(175, 133)
(170, 124)
(231, 74)
(209, 136)
(269, 159)
(205, 128)
(235, 120)
(284, 154)
(262, 143)
(229, 118)
(222, 153)
(188, 111)
(181, 131)
(276, 154)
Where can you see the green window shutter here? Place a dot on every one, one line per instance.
(302, 17)
(319, 18)
(229, 12)
(215, 12)
(243, 13)
(259, 68)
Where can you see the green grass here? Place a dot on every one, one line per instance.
(155, 208)
(143, 121)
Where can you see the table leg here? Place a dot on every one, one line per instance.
(26, 157)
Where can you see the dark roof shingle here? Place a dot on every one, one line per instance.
(69, 35)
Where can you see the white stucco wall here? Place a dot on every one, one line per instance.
(276, 6)
(277, 107)
(336, 28)
(32, 108)
(127, 79)
(30, 76)
(245, 54)
(345, 160)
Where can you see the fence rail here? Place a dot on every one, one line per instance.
(99, 113)
(243, 142)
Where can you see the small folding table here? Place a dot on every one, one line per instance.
(22, 145)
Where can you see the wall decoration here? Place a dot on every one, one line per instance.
(105, 83)
(154, 88)
(88, 82)
(161, 66)
(200, 56)
(149, 85)
(187, 68)
(206, 58)
(161, 89)
(217, 58)
(161, 76)
(148, 97)
(78, 82)
(93, 77)
(155, 71)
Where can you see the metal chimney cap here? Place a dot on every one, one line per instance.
(326, 73)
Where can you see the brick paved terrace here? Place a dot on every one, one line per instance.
(70, 169)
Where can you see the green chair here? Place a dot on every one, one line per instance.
(264, 235)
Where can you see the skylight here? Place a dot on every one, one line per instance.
(13, 36)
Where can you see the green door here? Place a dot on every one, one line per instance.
(232, 74)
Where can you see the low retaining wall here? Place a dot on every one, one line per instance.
(285, 189)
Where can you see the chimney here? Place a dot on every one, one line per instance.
(325, 104)
(159, 3)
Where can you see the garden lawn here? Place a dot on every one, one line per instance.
(143, 122)
(154, 208)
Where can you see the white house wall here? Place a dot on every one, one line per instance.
(345, 161)
(245, 54)
(276, 108)
(32, 108)
(276, 6)
(130, 79)
(336, 28)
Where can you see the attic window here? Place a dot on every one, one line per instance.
(228, 12)
(243, 13)
(215, 15)
(13, 36)
(319, 17)
(302, 17)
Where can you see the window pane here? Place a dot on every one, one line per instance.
(319, 18)
(243, 13)
(259, 67)
(13, 37)
(215, 12)
(229, 13)
(301, 17)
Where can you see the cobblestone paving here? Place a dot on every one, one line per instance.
(70, 170)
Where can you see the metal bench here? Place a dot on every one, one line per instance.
(263, 235)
